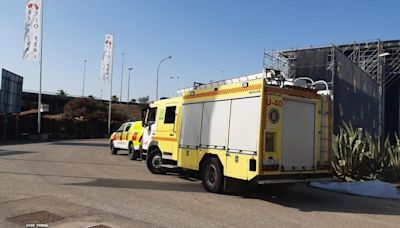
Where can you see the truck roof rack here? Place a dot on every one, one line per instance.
(212, 84)
(272, 77)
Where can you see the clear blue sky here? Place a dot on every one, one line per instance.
(204, 37)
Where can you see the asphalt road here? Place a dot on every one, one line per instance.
(84, 184)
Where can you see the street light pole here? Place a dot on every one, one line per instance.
(158, 69)
(84, 75)
(129, 80)
(382, 63)
(122, 76)
(177, 82)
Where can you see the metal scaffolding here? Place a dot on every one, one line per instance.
(380, 60)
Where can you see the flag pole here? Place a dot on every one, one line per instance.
(109, 107)
(39, 120)
(111, 78)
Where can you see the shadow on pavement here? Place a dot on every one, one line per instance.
(9, 152)
(300, 197)
(80, 144)
(142, 184)
(309, 199)
(63, 162)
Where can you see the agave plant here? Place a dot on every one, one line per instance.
(357, 154)
(394, 154)
(346, 145)
(375, 159)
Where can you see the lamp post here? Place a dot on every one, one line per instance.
(84, 75)
(382, 63)
(177, 82)
(158, 69)
(122, 76)
(129, 80)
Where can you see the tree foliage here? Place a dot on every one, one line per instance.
(144, 100)
(91, 109)
(88, 109)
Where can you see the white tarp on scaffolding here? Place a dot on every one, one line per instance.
(376, 188)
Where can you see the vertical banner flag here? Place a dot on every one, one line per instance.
(33, 30)
(106, 63)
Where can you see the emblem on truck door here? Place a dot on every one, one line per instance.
(273, 115)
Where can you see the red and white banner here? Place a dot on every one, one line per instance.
(106, 63)
(33, 30)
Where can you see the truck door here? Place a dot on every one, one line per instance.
(150, 127)
(118, 143)
(125, 136)
(166, 134)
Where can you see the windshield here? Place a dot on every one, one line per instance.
(121, 128)
(151, 115)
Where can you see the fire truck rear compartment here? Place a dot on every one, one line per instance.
(298, 132)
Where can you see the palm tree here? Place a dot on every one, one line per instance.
(114, 98)
(62, 93)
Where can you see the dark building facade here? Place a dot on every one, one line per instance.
(363, 76)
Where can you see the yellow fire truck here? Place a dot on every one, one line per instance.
(252, 128)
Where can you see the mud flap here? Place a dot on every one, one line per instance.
(232, 185)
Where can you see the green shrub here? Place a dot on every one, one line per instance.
(357, 155)
(394, 154)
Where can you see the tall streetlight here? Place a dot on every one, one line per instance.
(158, 69)
(122, 76)
(84, 75)
(129, 80)
(177, 82)
(382, 63)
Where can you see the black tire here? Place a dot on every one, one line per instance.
(154, 161)
(212, 176)
(113, 150)
(132, 154)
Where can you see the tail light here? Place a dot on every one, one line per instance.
(134, 136)
(114, 137)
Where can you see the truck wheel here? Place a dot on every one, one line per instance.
(211, 175)
(131, 152)
(154, 161)
(113, 150)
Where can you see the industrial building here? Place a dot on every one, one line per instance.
(362, 76)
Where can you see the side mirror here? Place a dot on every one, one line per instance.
(143, 114)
